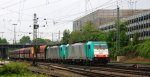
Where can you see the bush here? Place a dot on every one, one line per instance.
(17, 69)
(129, 51)
(14, 68)
(144, 49)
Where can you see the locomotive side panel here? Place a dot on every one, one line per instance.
(77, 51)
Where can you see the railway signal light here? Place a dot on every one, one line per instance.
(36, 26)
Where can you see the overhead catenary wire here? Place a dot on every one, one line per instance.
(5, 2)
(11, 5)
(83, 12)
(106, 6)
(40, 5)
(104, 3)
(62, 19)
(67, 16)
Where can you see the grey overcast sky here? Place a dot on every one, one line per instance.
(59, 14)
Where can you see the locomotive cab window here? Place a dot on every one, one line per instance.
(100, 46)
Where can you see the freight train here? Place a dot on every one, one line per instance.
(81, 53)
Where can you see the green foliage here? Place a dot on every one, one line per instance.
(14, 68)
(135, 39)
(17, 69)
(113, 43)
(25, 40)
(129, 51)
(144, 49)
(102, 36)
(23, 75)
(123, 25)
(111, 38)
(3, 41)
(90, 32)
(112, 52)
(66, 36)
(123, 37)
(48, 41)
(75, 36)
(42, 41)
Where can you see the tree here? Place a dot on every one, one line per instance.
(48, 41)
(90, 32)
(102, 36)
(123, 37)
(135, 39)
(25, 40)
(144, 49)
(41, 41)
(111, 38)
(3, 41)
(66, 36)
(75, 36)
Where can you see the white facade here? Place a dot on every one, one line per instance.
(139, 23)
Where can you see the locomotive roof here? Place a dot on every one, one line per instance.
(78, 44)
(96, 42)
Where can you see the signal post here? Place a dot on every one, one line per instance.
(35, 47)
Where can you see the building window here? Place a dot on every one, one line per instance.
(148, 33)
(146, 17)
(146, 25)
(130, 29)
(136, 20)
(128, 22)
(136, 27)
(141, 18)
(133, 27)
(132, 20)
(142, 26)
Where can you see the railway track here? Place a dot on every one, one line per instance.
(98, 71)
(81, 71)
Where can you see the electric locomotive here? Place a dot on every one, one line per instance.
(94, 52)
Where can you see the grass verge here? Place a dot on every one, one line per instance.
(17, 69)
